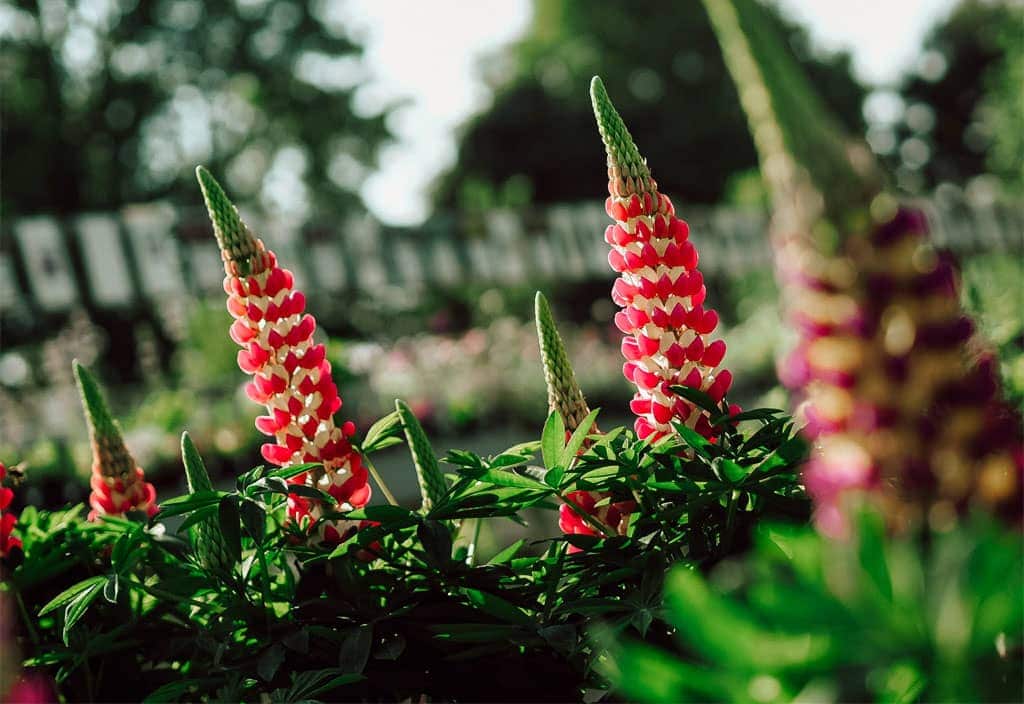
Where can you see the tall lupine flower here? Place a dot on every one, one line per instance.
(8, 541)
(118, 483)
(290, 373)
(895, 403)
(660, 289)
(566, 397)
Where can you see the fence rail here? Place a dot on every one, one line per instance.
(146, 253)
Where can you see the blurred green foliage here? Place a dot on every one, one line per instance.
(113, 102)
(537, 141)
(935, 617)
(993, 290)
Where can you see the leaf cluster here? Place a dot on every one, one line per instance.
(403, 606)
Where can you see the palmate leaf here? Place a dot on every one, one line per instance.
(433, 485)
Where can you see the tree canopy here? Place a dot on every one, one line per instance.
(662, 65)
(115, 101)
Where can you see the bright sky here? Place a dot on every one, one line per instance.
(427, 52)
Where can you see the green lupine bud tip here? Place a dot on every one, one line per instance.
(432, 482)
(101, 423)
(622, 151)
(195, 470)
(564, 393)
(235, 240)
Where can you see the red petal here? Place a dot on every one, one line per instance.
(714, 353)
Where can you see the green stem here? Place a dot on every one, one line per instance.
(730, 522)
(264, 584)
(471, 550)
(553, 583)
(26, 619)
(380, 481)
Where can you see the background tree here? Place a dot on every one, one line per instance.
(115, 101)
(963, 112)
(665, 71)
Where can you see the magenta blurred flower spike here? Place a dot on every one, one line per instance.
(898, 405)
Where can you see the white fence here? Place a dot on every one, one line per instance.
(147, 253)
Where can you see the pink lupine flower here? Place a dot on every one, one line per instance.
(291, 375)
(8, 541)
(118, 484)
(899, 407)
(668, 331)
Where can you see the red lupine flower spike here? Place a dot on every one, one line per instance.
(291, 375)
(661, 291)
(118, 484)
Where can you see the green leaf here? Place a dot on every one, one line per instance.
(871, 549)
(311, 492)
(512, 479)
(553, 477)
(384, 513)
(126, 553)
(730, 470)
(698, 397)
(384, 430)
(79, 605)
(190, 502)
(788, 454)
(294, 470)
(507, 554)
(173, 691)
(196, 476)
(254, 518)
(433, 485)
(552, 440)
(694, 439)
(354, 649)
(270, 661)
(579, 436)
(506, 460)
(71, 592)
(436, 540)
(207, 513)
(753, 414)
(308, 685)
(112, 588)
(726, 632)
(496, 606)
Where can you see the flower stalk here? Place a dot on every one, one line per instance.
(667, 330)
(291, 375)
(118, 484)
